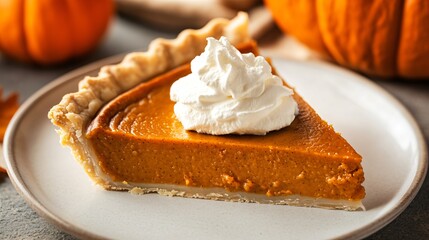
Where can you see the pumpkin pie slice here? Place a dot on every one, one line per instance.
(122, 128)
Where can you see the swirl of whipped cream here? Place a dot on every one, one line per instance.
(229, 92)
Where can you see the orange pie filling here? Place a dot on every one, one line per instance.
(137, 139)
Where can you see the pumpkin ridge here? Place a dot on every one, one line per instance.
(413, 50)
(73, 32)
(11, 30)
(396, 39)
(24, 35)
(398, 36)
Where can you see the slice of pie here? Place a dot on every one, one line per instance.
(122, 128)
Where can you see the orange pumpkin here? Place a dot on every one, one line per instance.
(52, 31)
(379, 37)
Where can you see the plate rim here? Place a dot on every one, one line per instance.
(364, 231)
(8, 143)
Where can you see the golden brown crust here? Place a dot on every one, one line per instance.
(75, 110)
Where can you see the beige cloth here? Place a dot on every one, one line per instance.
(176, 15)
(180, 14)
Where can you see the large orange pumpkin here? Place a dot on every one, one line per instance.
(52, 31)
(379, 37)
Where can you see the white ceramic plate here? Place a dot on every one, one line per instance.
(380, 129)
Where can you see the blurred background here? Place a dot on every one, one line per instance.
(384, 40)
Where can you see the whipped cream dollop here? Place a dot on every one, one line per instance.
(229, 92)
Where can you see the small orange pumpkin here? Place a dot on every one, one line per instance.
(379, 37)
(52, 31)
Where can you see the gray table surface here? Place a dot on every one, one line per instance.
(19, 221)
